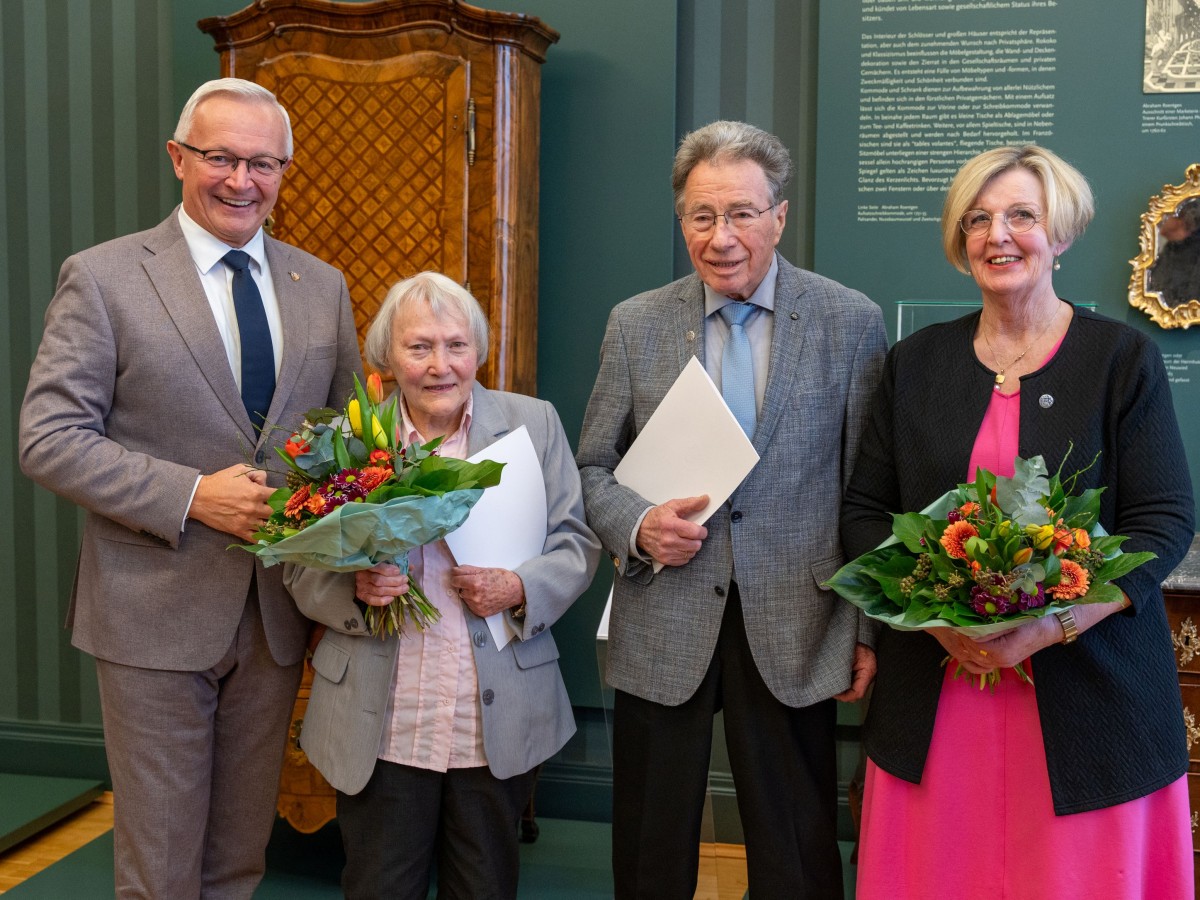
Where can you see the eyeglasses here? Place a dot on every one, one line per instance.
(224, 161)
(1018, 220)
(738, 219)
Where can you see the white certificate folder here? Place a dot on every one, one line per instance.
(691, 445)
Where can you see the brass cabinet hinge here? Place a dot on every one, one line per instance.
(471, 132)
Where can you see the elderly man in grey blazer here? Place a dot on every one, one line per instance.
(164, 354)
(736, 618)
(431, 738)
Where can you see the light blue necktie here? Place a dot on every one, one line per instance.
(737, 367)
(258, 356)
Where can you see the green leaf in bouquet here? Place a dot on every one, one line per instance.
(1082, 511)
(459, 473)
(1053, 567)
(341, 453)
(321, 416)
(854, 580)
(1107, 544)
(1021, 496)
(1122, 564)
(910, 528)
(1101, 593)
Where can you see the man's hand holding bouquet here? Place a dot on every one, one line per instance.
(356, 498)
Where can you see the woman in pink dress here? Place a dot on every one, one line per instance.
(1074, 786)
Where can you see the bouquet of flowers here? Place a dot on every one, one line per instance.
(354, 498)
(985, 557)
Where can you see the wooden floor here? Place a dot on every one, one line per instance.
(722, 866)
(29, 857)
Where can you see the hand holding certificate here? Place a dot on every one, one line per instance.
(691, 445)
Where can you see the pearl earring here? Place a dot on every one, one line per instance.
(1057, 264)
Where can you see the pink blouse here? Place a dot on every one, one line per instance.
(433, 716)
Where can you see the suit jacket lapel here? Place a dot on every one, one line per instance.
(488, 423)
(172, 271)
(689, 322)
(293, 312)
(787, 347)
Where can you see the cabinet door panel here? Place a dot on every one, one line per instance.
(380, 185)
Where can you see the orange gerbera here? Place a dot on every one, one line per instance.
(954, 538)
(315, 504)
(297, 502)
(1074, 581)
(969, 508)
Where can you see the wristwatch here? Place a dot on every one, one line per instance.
(1070, 629)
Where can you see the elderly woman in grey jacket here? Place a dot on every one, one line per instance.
(430, 738)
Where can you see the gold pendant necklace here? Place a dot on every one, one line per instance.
(1021, 356)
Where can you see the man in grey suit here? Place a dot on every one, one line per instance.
(736, 618)
(163, 355)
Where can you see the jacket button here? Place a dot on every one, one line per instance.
(480, 639)
(259, 457)
(488, 697)
(735, 516)
(720, 591)
(350, 624)
(538, 628)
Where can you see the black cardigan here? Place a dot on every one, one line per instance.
(1109, 703)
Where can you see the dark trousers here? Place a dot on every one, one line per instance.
(784, 769)
(392, 829)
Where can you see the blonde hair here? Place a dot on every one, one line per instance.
(1069, 203)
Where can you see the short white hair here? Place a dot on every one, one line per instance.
(231, 87)
(444, 296)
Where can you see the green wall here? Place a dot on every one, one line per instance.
(91, 90)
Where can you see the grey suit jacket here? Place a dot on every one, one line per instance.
(130, 398)
(781, 525)
(526, 712)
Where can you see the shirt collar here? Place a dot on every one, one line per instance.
(207, 251)
(764, 294)
(410, 430)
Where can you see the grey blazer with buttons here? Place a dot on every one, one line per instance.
(524, 704)
(782, 524)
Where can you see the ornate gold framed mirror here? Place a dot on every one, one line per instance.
(1166, 273)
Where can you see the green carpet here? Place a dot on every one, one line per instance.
(569, 861)
(33, 802)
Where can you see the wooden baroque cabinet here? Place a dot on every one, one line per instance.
(416, 127)
(1181, 592)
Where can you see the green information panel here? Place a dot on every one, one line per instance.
(909, 91)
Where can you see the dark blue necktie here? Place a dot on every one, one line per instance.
(258, 356)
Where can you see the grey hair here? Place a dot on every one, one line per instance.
(725, 141)
(230, 87)
(445, 297)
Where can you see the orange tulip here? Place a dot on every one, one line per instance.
(1083, 540)
(374, 388)
(1022, 556)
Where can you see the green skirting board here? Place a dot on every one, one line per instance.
(31, 803)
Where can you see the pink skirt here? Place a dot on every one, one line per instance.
(981, 824)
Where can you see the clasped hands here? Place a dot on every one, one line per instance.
(483, 591)
(1001, 651)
